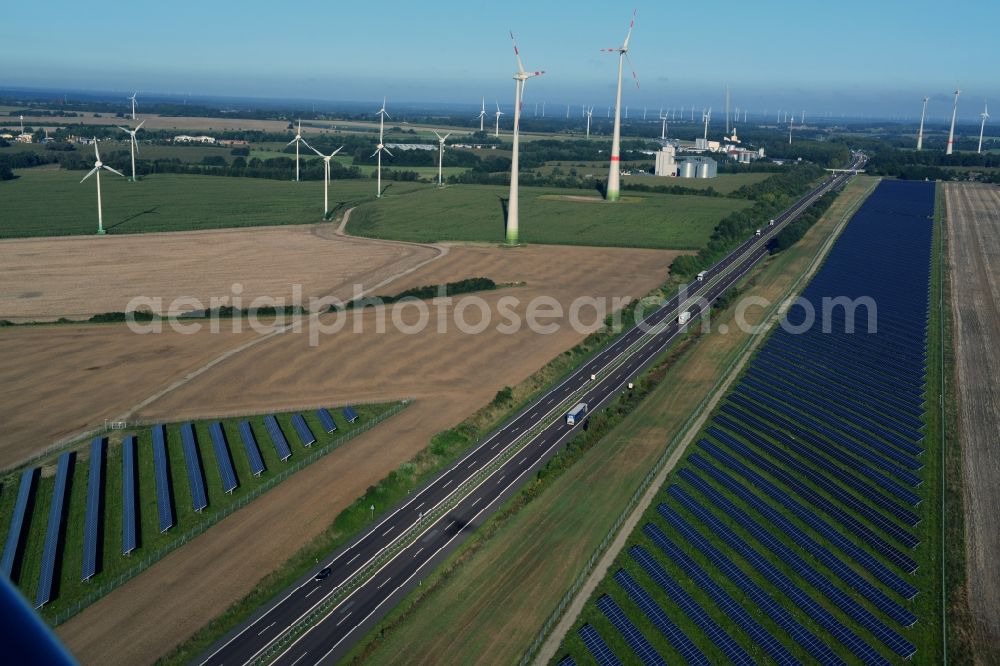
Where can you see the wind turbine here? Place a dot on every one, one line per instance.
(520, 78)
(133, 103)
(706, 117)
(482, 114)
(500, 113)
(132, 143)
(590, 112)
(663, 128)
(790, 130)
(984, 115)
(614, 173)
(951, 133)
(382, 115)
(98, 165)
(326, 177)
(440, 152)
(920, 133)
(297, 140)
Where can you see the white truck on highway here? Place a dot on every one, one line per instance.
(574, 415)
(701, 276)
(758, 233)
(684, 318)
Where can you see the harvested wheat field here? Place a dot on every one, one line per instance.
(974, 243)
(451, 374)
(79, 276)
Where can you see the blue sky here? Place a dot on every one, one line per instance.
(853, 56)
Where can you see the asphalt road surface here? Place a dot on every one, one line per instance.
(614, 367)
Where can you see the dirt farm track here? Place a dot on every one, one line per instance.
(974, 242)
(85, 373)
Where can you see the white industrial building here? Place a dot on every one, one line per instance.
(667, 164)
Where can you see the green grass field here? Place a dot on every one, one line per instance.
(68, 590)
(53, 202)
(548, 215)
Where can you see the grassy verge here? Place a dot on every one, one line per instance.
(70, 593)
(486, 603)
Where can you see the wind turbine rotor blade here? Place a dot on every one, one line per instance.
(517, 54)
(315, 151)
(387, 150)
(140, 125)
(446, 136)
(123, 129)
(89, 174)
(629, 61)
(628, 35)
(375, 153)
(292, 141)
(105, 166)
(437, 135)
(96, 154)
(336, 151)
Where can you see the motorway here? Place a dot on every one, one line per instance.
(613, 368)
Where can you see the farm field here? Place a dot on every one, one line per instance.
(548, 215)
(824, 529)
(440, 371)
(48, 278)
(974, 241)
(187, 519)
(53, 202)
(490, 604)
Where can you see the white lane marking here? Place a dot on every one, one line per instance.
(477, 500)
(472, 464)
(300, 658)
(494, 446)
(356, 556)
(447, 484)
(267, 627)
(311, 591)
(418, 551)
(342, 619)
(418, 506)
(533, 415)
(501, 478)
(391, 527)
(381, 585)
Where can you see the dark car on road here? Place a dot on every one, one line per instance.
(323, 573)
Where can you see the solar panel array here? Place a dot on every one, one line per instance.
(92, 530)
(18, 522)
(803, 493)
(54, 531)
(92, 517)
(129, 540)
(350, 414)
(222, 458)
(599, 650)
(164, 498)
(196, 481)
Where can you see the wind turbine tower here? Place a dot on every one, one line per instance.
(440, 153)
(590, 112)
(984, 115)
(133, 103)
(98, 165)
(920, 132)
(132, 143)
(706, 117)
(663, 127)
(482, 114)
(297, 140)
(951, 133)
(498, 114)
(614, 173)
(727, 110)
(520, 78)
(326, 177)
(382, 115)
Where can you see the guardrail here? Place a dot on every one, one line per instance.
(215, 517)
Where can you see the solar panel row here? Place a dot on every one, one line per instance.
(192, 462)
(92, 517)
(18, 522)
(164, 500)
(302, 429)
(128, 495)
(222, 459)
(326, 420)
(54, 531)
(252, 449)
(277, 437)
(350, 414)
